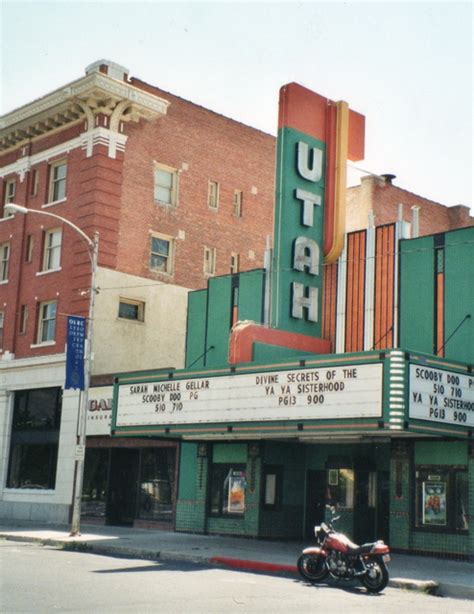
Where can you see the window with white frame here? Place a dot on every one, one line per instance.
(34, 178)
(57, 181)
(234, 263)
(166, 185)
(161, 254)
(4, 259)
(213, 195)
(2, 320)
(47, 321)
(52, 249)
(29, 248)
(23, 319)
(130, 309)
(238, 198)
(209, 260)
(9, 194)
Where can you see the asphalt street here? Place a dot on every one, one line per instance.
(38, 579)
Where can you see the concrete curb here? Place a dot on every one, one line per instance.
(430, 587)
(455, 591)
(422, 586)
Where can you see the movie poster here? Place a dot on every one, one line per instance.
(434, 503)
(236, 493)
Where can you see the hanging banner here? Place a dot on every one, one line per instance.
(76, 337)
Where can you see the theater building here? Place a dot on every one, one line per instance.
(340, 374)
(183, 199)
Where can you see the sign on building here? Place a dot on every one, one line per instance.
(441, 396)
(303, 394)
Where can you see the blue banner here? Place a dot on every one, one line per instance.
(76, 337)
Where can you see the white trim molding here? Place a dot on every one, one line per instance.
(85, 98)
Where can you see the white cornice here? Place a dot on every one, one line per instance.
(93, 94)
(50, 360)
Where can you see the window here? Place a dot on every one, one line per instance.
(9, 194)
(272, 486)
(29, 248)
(47, 321)
(57, 181)
(209, 260)
(2, 324)
(340, 488)
(213, 195)
(131, 310)
(161, 254)
(34, 438)
(52, 250)
(34, 182)
(234, 263)
(4, 258)
(94, 487)
(23, 319)
(238, 195)
(442, 496)
(166, 185)
(157, 484)
(228, 486)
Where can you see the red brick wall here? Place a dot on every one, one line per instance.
(215, 148)
(385, 199)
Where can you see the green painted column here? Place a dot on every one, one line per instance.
(400, 496)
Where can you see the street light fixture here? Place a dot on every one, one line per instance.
(93, 249)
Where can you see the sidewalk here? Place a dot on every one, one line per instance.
(438, 576)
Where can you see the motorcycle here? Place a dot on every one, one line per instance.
(335, 555)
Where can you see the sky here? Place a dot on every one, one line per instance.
(407, 66)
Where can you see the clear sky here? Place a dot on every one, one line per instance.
(407, 66)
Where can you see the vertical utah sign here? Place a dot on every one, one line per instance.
(315, 138)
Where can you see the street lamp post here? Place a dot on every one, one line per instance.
(93, 248)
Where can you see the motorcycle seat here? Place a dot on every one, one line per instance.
(361, 549)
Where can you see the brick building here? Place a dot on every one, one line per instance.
(382, 201)
(177, 194)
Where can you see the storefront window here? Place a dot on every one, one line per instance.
(34, 439)
(340, 488)
(94, 489)
(441, 498)
(228, 486)
(157, 483)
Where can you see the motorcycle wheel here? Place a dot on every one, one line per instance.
(376, 578)
(312, 567)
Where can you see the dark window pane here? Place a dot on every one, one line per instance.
(32, 466)
(128, 311)
(160, 246)
(37, 409)
(461, 489)
(94, 489)
(157, 484)
(34, 438)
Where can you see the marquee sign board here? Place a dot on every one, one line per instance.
(349, 391)
(442, 396)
